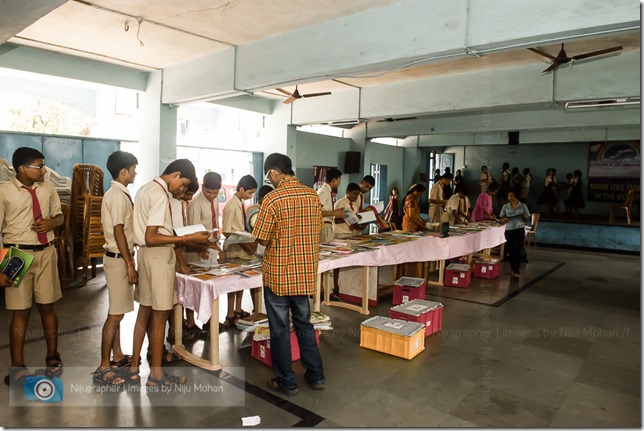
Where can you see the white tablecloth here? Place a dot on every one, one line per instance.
(199, 294)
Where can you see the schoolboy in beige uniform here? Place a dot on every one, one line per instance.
(342, 229)
(156, 262)
(204, 207)
(118, 263)
(29, 212)
(332, 181)
(234, 220)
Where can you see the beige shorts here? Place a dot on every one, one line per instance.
(120, 291)
(326, 234)
(156, 278)
(40, 285)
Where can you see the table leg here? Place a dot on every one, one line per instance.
(316, 295)
(213, 364)
(365, 292)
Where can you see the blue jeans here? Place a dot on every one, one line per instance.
(277, 308)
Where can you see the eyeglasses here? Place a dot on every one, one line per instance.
(39, 167)
(266, 179)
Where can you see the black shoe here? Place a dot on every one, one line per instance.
(316, 386)
(274, 385)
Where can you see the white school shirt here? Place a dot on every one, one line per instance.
(326, 197)
(117, 208)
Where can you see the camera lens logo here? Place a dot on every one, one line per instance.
(40, 388)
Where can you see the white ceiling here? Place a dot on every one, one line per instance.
(153, 35)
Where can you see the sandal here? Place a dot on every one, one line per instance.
(166, 380)
(191, 333)
(230, 322)
(108, 377)
(204, 332)
(54, 365)
(125, 362)
(131, 377)
(241, 314)
(17, 375)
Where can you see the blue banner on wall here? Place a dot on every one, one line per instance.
(613, 169)
(612, 189)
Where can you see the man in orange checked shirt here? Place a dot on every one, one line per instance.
(288, 225)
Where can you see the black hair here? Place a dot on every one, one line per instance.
(212, 180)
(578, 173)
(569, 175)
(279, 162)
(193, 186)
(185, 168)
(448, 170)
(352, 187)
(263, 191)
(494, 186)
(461, 188)
(332, 174)
(447, 176)
(515, 170)
(506, 165)
(120, 160)
(526, 171)
(247, 182)
(25, 156)
(370, 180)
(416, 187)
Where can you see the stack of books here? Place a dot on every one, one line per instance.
(320, 321)
(259, 324)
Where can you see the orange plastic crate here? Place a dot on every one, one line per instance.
(392, 336)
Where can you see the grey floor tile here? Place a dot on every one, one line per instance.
(611, 377)
(589, 406)
(489, 407)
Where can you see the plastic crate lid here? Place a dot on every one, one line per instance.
(394, 326)
(409, 281)
(416, 307)
(486, 262)
(458, 267)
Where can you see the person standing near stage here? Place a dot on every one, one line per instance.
(288, 225)
(514, 216)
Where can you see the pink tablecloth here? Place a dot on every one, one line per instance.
(199, 294)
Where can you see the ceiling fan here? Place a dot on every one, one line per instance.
(562, 57)
(391, 120)
(292, 97)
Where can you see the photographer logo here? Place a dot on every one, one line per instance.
(43, 389)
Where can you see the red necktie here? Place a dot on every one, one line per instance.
(42, 237)
(213, 216)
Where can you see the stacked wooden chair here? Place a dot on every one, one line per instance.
(93, 238)
(87, 181)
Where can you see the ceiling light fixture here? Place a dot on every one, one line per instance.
(602, 103)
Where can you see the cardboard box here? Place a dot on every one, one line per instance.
(392, 336)
(491, 269)
(261, 350)
(428, 313)
(409, 288)
(458, 275)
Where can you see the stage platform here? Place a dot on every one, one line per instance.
(593, 232)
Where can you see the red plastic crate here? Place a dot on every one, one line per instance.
(428, 313)
(458, 275)
(261, 350)
(491, 269)
(409, 288)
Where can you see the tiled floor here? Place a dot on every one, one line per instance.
(564, 351)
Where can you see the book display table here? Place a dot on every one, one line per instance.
(201, 293)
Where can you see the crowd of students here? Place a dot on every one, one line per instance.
(144, 229)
